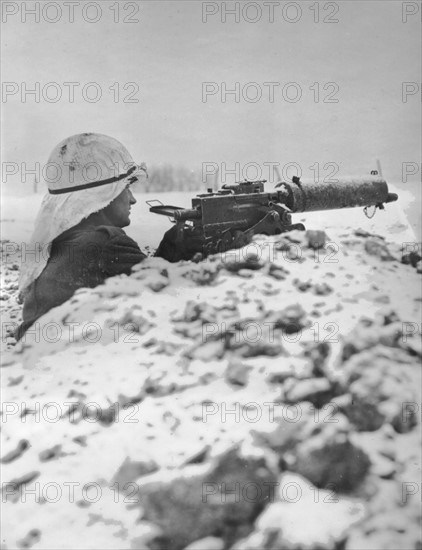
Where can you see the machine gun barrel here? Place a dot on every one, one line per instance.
(230, 217)
(308, 196)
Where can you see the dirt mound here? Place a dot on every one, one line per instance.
(266, 398)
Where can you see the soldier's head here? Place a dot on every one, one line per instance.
(95, 170)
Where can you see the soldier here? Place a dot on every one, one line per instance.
(79, 227)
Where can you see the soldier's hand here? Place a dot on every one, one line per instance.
(174, 249)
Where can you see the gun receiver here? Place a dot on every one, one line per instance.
(230, 217)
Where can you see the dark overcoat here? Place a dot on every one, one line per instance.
(84, 256)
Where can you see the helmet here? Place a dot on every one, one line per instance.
(85, 161)
(84, 174)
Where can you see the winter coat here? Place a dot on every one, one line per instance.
(84, 256)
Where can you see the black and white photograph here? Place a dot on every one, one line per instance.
(211, 268)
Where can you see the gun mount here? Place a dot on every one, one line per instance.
(229, 217)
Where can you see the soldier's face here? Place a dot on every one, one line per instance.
(118, 211)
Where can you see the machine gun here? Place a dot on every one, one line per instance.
(227, 219)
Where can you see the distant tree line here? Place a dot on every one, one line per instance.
(166, 177)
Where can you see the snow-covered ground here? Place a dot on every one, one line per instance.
(184, 382)
(178, 384)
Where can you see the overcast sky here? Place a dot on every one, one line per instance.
(171, 52)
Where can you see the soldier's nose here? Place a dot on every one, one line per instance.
(132, 199)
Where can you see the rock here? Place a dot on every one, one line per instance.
(290, 319)
(202, 311)
(364, 415)
(241, 261)
(277, 272)
(383, 299)
(404, 417)
(295, 236)
(303, 286)
(316, 239)
(207, 351)
(412, 258)
(195, 329)
(318, 354)
(205, 274)
(383, 467)
(245, 273)
(391, 335)
(307, 518)
(11, 489)
(363, 233)
(208, 543)
(33, 536)
(53, 453)
(21, 447)
(387, 539)
(366, 336)
(316, 390)
(131, 470)
(327, 457)
(157, 284)
(286, 429)
(322, 289)
(388, 316)
(278, 371)
(243, 347)
(245, 338)
(379, 386)
(198, 456)
(237, 373)
(135, 321)
(393, 519)
(226, 494)
(377, 247)
(359, 232)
